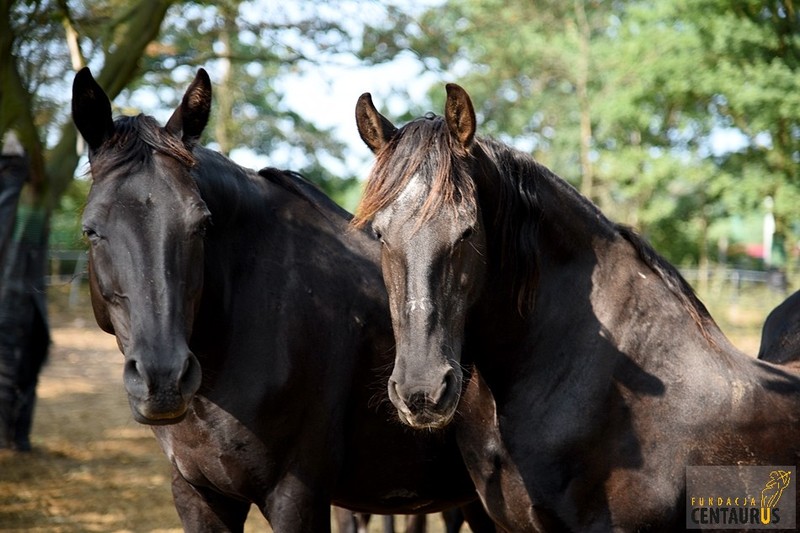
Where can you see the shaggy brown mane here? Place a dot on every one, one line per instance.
(450, 187)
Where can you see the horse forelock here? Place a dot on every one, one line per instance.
(132, 144)
(421, 148)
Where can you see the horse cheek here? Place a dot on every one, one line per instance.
(99, 305)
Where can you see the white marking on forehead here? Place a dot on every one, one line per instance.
(414, 191)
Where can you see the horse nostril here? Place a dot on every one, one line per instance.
(190, 376)
(444, 390)
(132, 374)
(450, 386)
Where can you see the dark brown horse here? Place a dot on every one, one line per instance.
(780, 336)
(254, 326)
(608, 374)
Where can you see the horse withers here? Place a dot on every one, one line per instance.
(255, 330)
(607, 374)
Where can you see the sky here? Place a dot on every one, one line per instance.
(326, 94)
(327, 97)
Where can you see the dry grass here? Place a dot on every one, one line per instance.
(92, 468)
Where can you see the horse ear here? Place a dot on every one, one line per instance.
(191, 117)
(460, 115)
(91, 109)
(374, 128)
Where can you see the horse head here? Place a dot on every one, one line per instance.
(144, 220)
(422, 201)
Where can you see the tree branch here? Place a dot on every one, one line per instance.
(141, 26)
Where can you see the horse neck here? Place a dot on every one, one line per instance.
(535, 223)
(593, 288)
(260, 223)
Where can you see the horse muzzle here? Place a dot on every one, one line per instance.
(426, 404)
(161, 395)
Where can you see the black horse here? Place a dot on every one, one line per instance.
(254, 326)
(608, 374)
(780, 336)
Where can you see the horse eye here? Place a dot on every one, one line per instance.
(467, 233)
(90, 234)
(202, 228)
(378, 234)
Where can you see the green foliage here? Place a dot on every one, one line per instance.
(65, 223)
(625, 99)
(146, 48)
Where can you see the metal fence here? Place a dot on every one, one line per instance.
(68, 266)
(737, 278)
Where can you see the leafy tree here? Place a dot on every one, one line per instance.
(133, 47)
(249, 47)
(625, 99)
(34, 61)
(711, 66)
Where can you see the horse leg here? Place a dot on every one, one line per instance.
(362, 522)
(349, 522)
(346, 520)
(416, 523)
(294, 507)
(453, 519)
(474, 514)
(201, 509)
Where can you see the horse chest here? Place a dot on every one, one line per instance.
(221, 454)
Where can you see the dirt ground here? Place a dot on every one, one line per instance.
(94, 469)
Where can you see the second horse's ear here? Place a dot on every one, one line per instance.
(91, 109)
(374, 128)
(190, 118)
(460, 115)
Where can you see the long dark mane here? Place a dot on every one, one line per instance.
(518, 178)
(133, 142)
(520, 212)
(299, 185)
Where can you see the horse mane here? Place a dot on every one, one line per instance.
(300, 186)
(523, 174)
(133, 142)
(396, 163)
(517, 177)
